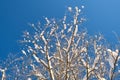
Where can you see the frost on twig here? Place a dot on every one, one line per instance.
(36, 73)
(3, 73)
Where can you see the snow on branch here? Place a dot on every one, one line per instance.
(63, 50)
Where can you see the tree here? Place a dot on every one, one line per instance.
(62, 50)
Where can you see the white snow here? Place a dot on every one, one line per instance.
(119, 70)
(70, 9)
(36, 58)
(84, 49)
(42, 51)
(32, 25)
(77, 9)
(76, 30)
(42, 33)
(111, 61)
(64, 26)
(40, 60)
(23, 52)
(3, 73)
(29, 79)
(113, 53)
(48, 22)
(82, 6)
(58, 44)
(64, 18)
(36, 72)
(43, 38)
(102, 79)
(75, 20)
(36, 46)
(52, 31)
(69, 29)
(112, 56)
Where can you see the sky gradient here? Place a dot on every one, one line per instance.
(102, 16)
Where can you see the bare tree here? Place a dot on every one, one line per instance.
(62, 50)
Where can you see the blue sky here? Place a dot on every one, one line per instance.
(102, 16)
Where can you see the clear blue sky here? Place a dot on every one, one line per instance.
(102, 16)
